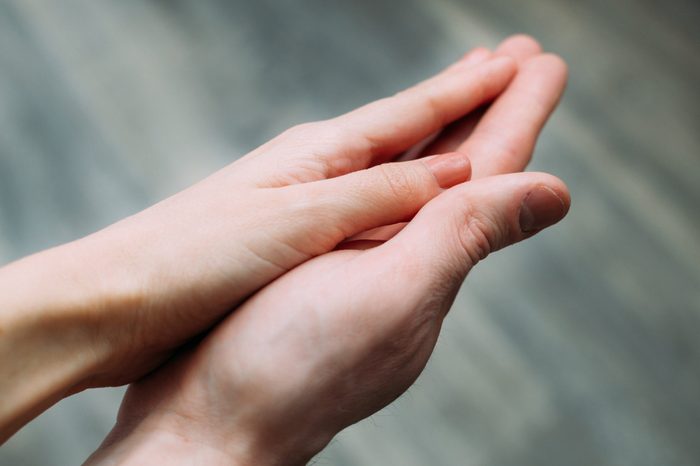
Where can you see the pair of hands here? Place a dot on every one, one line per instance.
(336, 314)
(342, 335)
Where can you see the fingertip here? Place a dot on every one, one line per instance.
(476, 55)
(467, 166)
(562, 190)
(462, 163)
(476, 218)
(550, 63)
(500, 70)
(449, 169)
(520, 47)
(540, 208)
(495, 76)
(546, 201)
(525, 40)
(553, 182)
(558, 65)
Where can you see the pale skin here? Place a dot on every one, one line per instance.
(331, 322)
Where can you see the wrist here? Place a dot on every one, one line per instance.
(233, 430)
(166, 442)
(50, 310)
(156, 447)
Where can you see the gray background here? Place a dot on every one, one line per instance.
(578, 347)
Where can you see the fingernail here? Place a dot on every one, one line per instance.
(449, 169)
(541, 208)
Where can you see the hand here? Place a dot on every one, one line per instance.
(189, 260)
(344, 334)
(106, 309)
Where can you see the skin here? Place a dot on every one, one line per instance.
(342, 335)
(108, 308)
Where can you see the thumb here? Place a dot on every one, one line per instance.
(463, 225)
(381, 195)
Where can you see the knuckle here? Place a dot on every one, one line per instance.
(526, 41)
(329, 130)
(434, 106)
(555, 61)
(480, 234)
(323, 134)
(401, 183)
(301, 131)
(314, 131)
(515, 150)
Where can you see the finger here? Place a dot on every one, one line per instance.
(383, 233)
(463, 225)
(375, 132)
(381, 195)
(475, 56)
(520, 48)
(454, 135)
(504, 138)
(391, 125)
(359, 244)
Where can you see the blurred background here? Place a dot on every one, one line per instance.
(578, 347)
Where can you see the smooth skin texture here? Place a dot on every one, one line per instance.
(108, 308)
(344, 334)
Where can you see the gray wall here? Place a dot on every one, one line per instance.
(577, 347)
